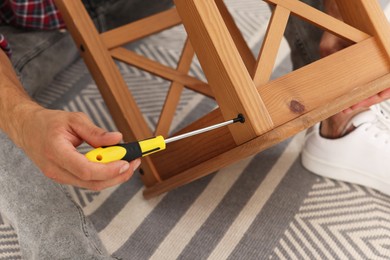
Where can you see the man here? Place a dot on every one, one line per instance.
(49, 224)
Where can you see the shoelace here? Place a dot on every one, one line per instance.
(382, 124)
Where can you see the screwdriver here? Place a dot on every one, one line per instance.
(134, 150)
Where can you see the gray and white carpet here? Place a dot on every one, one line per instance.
(266, 206)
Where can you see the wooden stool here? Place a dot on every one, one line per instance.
(274, 110)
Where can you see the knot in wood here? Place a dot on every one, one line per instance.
(296, 107)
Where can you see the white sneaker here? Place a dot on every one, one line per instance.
(361, 157)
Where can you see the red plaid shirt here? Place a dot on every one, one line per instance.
(33, 14)
(5, 46)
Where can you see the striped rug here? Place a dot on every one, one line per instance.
(264, 207)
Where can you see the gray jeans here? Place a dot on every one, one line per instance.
(49, 224)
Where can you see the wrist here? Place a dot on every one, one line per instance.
(15, 104)
(18, 118)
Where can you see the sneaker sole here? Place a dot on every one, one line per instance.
(337, 172)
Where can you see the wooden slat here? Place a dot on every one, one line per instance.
(141, 28)
(315, 85)
(369, 17)
(242, 46)
(269, 139)
(161, 70)
(226, 73)
(296, 93)
(271, 45)
(322, 20)
(174, 93)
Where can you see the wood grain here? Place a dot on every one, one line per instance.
(242, 46)
(224, 68)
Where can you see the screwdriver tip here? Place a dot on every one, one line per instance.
(240, 118)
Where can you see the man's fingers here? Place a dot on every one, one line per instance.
(82, 168)
(382, 96)
(101, 185)
(385, 94)
(65, 177)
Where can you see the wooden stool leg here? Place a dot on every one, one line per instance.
(242, 46)
(127, 116)
(224, 68)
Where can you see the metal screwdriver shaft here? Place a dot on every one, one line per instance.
(240, 118)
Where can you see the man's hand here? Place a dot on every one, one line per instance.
(50, 138)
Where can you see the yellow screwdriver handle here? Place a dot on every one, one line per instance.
(127, 151)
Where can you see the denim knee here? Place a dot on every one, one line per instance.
(303, 38)
(39, 55)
